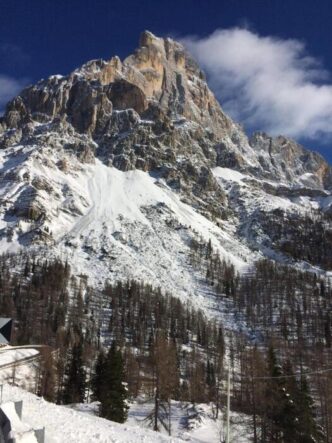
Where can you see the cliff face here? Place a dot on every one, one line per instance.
(159, 78)
(160, 87)
(152, 112)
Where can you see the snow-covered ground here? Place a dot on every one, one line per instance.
(9, 355)
(65, 424)
(194, 423)
(18, 365)
(113, 225)
(79, 424)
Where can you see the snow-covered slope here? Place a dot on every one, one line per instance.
(119, 165)
(79, 424)
(67, 425)
(194, 423)
(109, 224)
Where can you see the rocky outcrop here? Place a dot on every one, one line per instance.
(285, 160)
(125, 95)
(160, 73)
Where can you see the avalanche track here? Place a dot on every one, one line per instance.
(136, 227)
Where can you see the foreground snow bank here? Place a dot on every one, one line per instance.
(15, 428)
(78, 423)
(67, 425)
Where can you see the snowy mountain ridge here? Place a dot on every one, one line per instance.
(118, 166)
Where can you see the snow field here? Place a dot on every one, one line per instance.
(64, 424)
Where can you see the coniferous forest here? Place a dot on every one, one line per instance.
(129, 338)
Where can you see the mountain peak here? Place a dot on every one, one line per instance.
(147, 38)
(162, 84)
(159, 78)
(151, 114)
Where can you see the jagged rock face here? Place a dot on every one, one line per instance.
(285, 159)
(143, 113)
(160, 73)
(169, 77)
(152, 112)
(162, 86)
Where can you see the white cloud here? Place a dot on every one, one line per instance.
(267, 83)
(9, 88)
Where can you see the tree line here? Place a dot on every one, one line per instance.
(286, 308)
(131, 338)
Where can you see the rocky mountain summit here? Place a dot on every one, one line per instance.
(118, 165)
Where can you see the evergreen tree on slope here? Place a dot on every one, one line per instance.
(113, 392)
(75, 377)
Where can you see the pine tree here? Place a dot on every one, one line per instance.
(308, 429)
(210, 380)
(113, 392)
(98, 377)
(290, 407)
(75, 377)
(289, 421)
(272, 431)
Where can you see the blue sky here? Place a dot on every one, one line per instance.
(43, 37)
